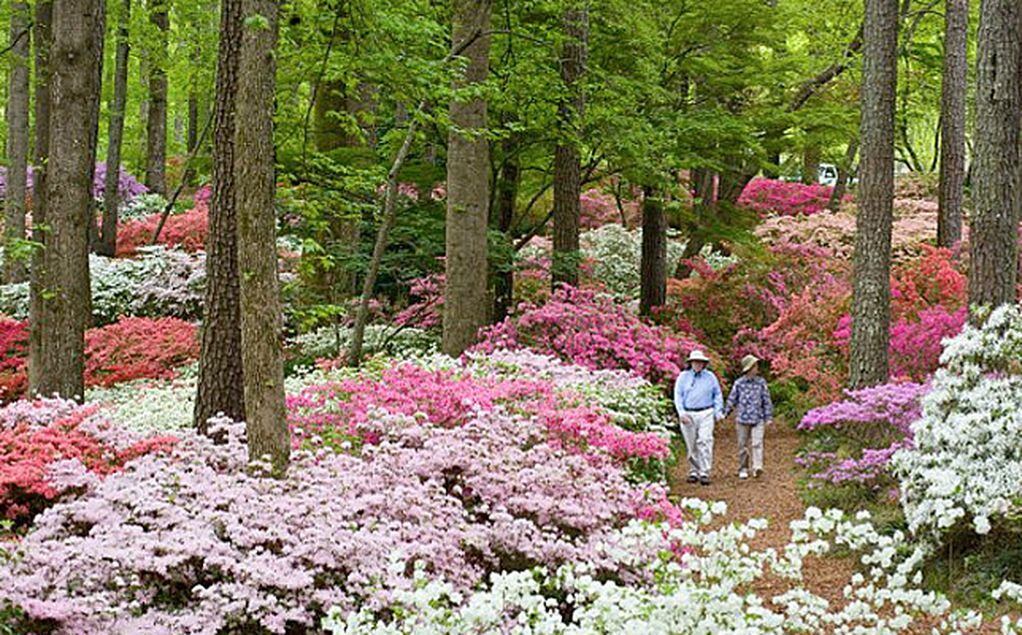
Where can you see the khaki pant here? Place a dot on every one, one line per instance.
(750, 438)
(697, 429)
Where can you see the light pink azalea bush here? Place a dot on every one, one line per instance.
(193, 543)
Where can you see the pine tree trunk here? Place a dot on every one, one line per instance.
(871, 312)
(567, 171)
(261, 316)
(993, 234)
(62, 282)
(17, 139)
(653, 265)
(466, 306)
(42, 32)
(811, 164)
(952, 123)
(843, 176)
(220, 387)
(115, 136)
(156, 118)
(507, 195)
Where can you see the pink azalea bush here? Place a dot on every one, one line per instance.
(592, 330)
(192, 542)
(784, 198)
(866, 428)
(185, 231)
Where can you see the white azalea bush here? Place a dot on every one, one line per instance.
(615, 253)
(330, 342)
(705, 589)
(966, 463)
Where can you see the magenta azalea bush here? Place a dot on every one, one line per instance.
(784, 198)
(865, 429)
(592, 330)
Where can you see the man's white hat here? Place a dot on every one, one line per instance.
(698, 356)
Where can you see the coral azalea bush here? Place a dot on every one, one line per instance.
(185, 231)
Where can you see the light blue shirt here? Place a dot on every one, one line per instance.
(698, 391)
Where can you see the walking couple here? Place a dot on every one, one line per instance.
(700, 404)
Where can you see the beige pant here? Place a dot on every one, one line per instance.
(697, 429)
(750, 439)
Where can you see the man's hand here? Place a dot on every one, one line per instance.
(686, 420)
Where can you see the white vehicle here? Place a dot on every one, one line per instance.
(827, 174)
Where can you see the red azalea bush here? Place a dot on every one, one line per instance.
(186, 231)
(13, 351)
(783, 198)
(593, 331)
(49, 447)
(137, 348)
(131, 348)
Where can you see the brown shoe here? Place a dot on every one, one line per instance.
(758, 473)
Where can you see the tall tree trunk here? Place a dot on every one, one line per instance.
(156, 119)
(62, 311)
(952, 123)
(703, 204)
(507, 195)
(993, 237)
(843, 176)
(111, 196)
(653, 264)
(261, 317)
(871, 302)
(567, 171)
(221, 386)
(811, 164)
(192, 131)
(43, 37)
(466, 307)
(17, 140)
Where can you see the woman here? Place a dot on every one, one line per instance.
(751, 397)
(699, 402)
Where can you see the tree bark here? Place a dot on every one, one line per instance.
(115, 137)
(811, 164)
(466, 306)
(871, 312)
(221, 386)
(17, 140)
(567, 171)
(993, 235)
(507, 195)
(843, 176)
(62, 282)
(261, 316)
(653, 262)
(156, 118)
(952, 123)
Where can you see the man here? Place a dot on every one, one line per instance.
(700, 405)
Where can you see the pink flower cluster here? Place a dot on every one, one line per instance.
(426, 312)
(186, 231)
(592, 330)
(450, 398)
(784, 198)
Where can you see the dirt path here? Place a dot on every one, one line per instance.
(773, 496)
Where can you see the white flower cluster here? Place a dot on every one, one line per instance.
(615, 253)
(705, 590)
(141, 206)
(966, 464)
(331, 342)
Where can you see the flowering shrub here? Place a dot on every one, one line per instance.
(135, 348)
(51, 446)
(598, 208)
(867, 428)
(158, 282)
(128, 187)
(194, 543)
(965, 465)
(13, 351)
(591, 330)
(185, 231)
(426, 312)
(332, 343)
(614, 254)
(141, 206)
(710, 590)
(784, 198)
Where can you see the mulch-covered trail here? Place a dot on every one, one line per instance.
(773, 496)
